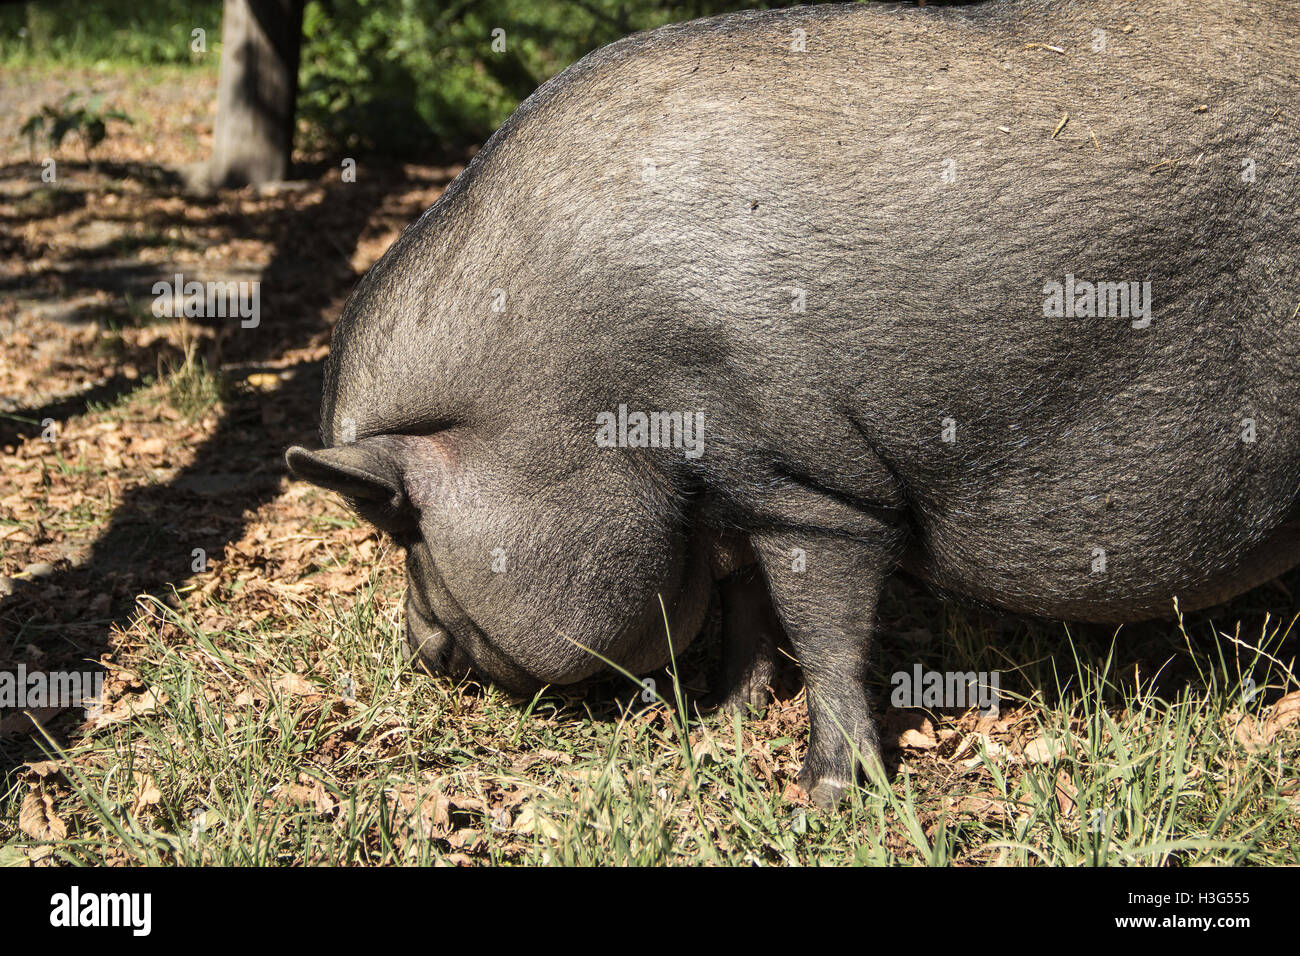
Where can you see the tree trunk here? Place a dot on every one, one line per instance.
(260, 40)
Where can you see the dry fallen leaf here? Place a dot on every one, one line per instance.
(149, 446)
(149, 794)
(971, 744)
(427, 809)
(132, 705)
(309, 792)
(1255, 736)
(1044, 749)
(246, 698)
(46, 768)
(529, 821)
(1291, 794)
(1284, 713)
(467, 839)
(37, 817)
(296, 685)
(1249, 738)
(916, 740)
(1067, 795)
(983, 805)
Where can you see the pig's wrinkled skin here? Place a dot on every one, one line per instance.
(647, 220)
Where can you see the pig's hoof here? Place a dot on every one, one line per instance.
(827, 792)
(749, 695)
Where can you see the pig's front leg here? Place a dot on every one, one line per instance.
(825, 587)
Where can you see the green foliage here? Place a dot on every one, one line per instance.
(397, 75)
(111, 31)
(89, 122)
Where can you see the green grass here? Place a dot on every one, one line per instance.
(192, 387)
(88, 32)
(378, 764)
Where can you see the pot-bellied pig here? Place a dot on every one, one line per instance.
(1003, 296)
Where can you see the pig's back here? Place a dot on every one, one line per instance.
(912, 182)
(831, 230)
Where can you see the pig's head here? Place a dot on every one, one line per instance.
(524, 581)
(468, 435)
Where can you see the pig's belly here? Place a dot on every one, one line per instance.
(1110, 572)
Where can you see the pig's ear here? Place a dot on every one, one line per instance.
(362, 472)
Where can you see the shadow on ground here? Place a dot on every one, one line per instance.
(147, 545)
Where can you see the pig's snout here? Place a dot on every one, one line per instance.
(428, 641)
